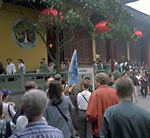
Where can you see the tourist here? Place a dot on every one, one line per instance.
(99, 101)
(126, 119)
(8, 108)
(82, 101)
(2, 71)
(44, 67)
(7, 128)
(11, 68)
(34, 103)
(144, 84)
(21, 66)
(58, 110)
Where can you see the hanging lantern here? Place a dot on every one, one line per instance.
(48, 12)
(138, 36)
(138, 33)
(102, 27)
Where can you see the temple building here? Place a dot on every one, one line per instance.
(16, 43)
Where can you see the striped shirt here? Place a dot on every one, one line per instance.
(39, 129)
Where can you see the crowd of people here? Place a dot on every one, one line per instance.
(11, 68)
(44, 68)
(119, 65)
(60, 111)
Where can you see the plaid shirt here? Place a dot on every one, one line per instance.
(3, 128)
(39, 129)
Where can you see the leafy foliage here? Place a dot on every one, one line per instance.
(0, 3)
(77, 13)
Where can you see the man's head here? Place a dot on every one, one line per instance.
(58, 78)
(131, 74)
(125, 74)
(115, 75)
(101, 79)
(124, 87)
(8, 60)
(34, 103)
(83, 77)
(144, 74)
(49, 80)
(138, 73)
(30, 85)
(43, 60)
(86, 84)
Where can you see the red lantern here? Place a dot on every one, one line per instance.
(51, 12)
(102, 27)
(139, 35)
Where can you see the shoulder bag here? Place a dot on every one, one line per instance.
(66, 119)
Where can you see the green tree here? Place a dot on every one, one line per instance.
(77, 13)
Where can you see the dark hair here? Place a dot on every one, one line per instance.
(87, 78)
(8, 59)
(43, 58)
(125, 73)
(47, 76)
(55, 93)
(86, 83)
(83, 75)
(21, 60)
(1, 109)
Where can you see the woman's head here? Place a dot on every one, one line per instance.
(55, 92)
(144, 74)
(20, 61)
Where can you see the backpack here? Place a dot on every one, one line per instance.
(18, 113)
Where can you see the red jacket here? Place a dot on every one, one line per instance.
(99, 101)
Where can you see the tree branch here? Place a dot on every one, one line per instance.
(67, 41)
(66, 34)
(76, 42)
(34, 7)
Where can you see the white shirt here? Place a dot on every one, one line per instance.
(11, 69)
(6, 113)
(138, 77)
(21, 67)
(82, 103)
(21, 123)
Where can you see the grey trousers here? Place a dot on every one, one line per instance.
(84, 126)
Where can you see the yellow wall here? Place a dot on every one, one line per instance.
(9, 48)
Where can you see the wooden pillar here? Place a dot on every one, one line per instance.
(148, 53)
(112, 55)
(94, 47)
(128, 51)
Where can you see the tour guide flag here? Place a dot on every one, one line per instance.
(73, 69)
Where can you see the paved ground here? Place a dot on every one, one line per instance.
(144, 102)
